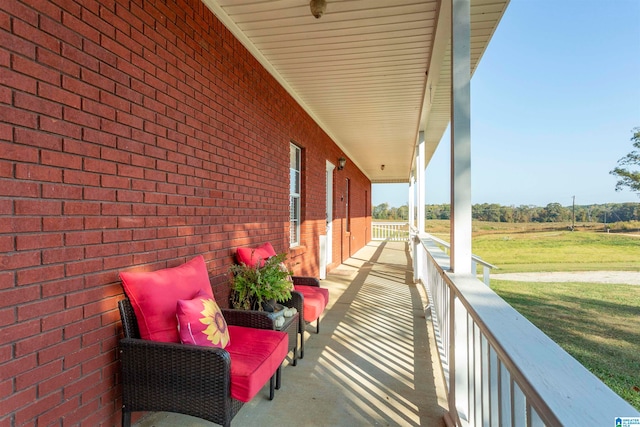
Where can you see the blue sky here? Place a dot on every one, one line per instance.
(553, 104)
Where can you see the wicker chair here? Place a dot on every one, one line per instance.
(169, 377)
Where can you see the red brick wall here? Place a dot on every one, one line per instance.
(133, 134)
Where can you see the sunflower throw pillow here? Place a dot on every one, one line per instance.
(200, 322)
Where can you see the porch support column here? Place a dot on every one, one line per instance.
(412, 202)
(420, 174)
(460, 137)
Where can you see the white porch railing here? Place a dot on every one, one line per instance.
(500, 370)
(387, 230)
(475, 260)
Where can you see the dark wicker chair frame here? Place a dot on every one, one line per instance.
(186, 379)
(297, 301)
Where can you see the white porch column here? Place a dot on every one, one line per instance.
(460, 137)
(420, 173)
(412, 202)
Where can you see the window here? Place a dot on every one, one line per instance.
(294, 194)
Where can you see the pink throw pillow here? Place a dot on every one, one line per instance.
(154, 296)
(252, 256)
(200, 322)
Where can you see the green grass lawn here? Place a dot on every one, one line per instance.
(598, 324)
(559, 251)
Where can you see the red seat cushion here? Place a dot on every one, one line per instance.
(255, 354)
(252, 256)
(315, 301)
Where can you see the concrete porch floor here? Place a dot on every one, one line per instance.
(374, 362)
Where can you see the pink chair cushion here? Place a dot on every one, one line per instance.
(315, 301)
(255, 354)
(154, 295)
(252, 256)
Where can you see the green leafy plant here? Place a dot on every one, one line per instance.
(253, 287)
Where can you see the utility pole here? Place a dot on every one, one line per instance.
(573, 214)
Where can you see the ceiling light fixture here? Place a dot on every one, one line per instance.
(318, 7)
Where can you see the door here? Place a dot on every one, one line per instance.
(326, 249)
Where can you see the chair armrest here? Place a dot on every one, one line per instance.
(296, 300)
(159, 375)
(306, 280)
(249, 318)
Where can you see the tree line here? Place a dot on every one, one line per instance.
(493, 212)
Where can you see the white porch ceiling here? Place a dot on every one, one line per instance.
(372, 73)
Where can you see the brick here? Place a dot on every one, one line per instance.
(104, 221)
(14, 188)
(98, 137)
(79, 329)
(18, 45)
(98, 109)
(58, 191)
(80, 177)
(37, 275)
(31, 32)
(9, 333)
(77, 25)
(35, 70)
(7, 244)
(20, 225)
(101, 194)
(18, 399)
(81, 208)
(94, 78)
(71, 39)
(81, 118)
(39, 406)
(18, 117)
(46, 7)
(37, 139)
(60, 287)
(58, 351)
(38, 207)
(60, 127)
(62, 223)
(83, 267)
(33, 344)
(33, 172)
(37, 105)
(129, 120)
(59, 381)
(61, 255)
(38, 241)
(7, 317)
(78, 89)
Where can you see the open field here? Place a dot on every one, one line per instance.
(597, 323)
(539, 247)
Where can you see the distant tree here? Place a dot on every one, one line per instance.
(553, 212)
(403, 212)
(381, 211)
(629, 177)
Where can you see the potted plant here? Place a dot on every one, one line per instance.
(260, 287)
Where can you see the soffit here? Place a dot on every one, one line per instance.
(363, 69)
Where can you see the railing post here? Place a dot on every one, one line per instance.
(486, 273)
(416, 271)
